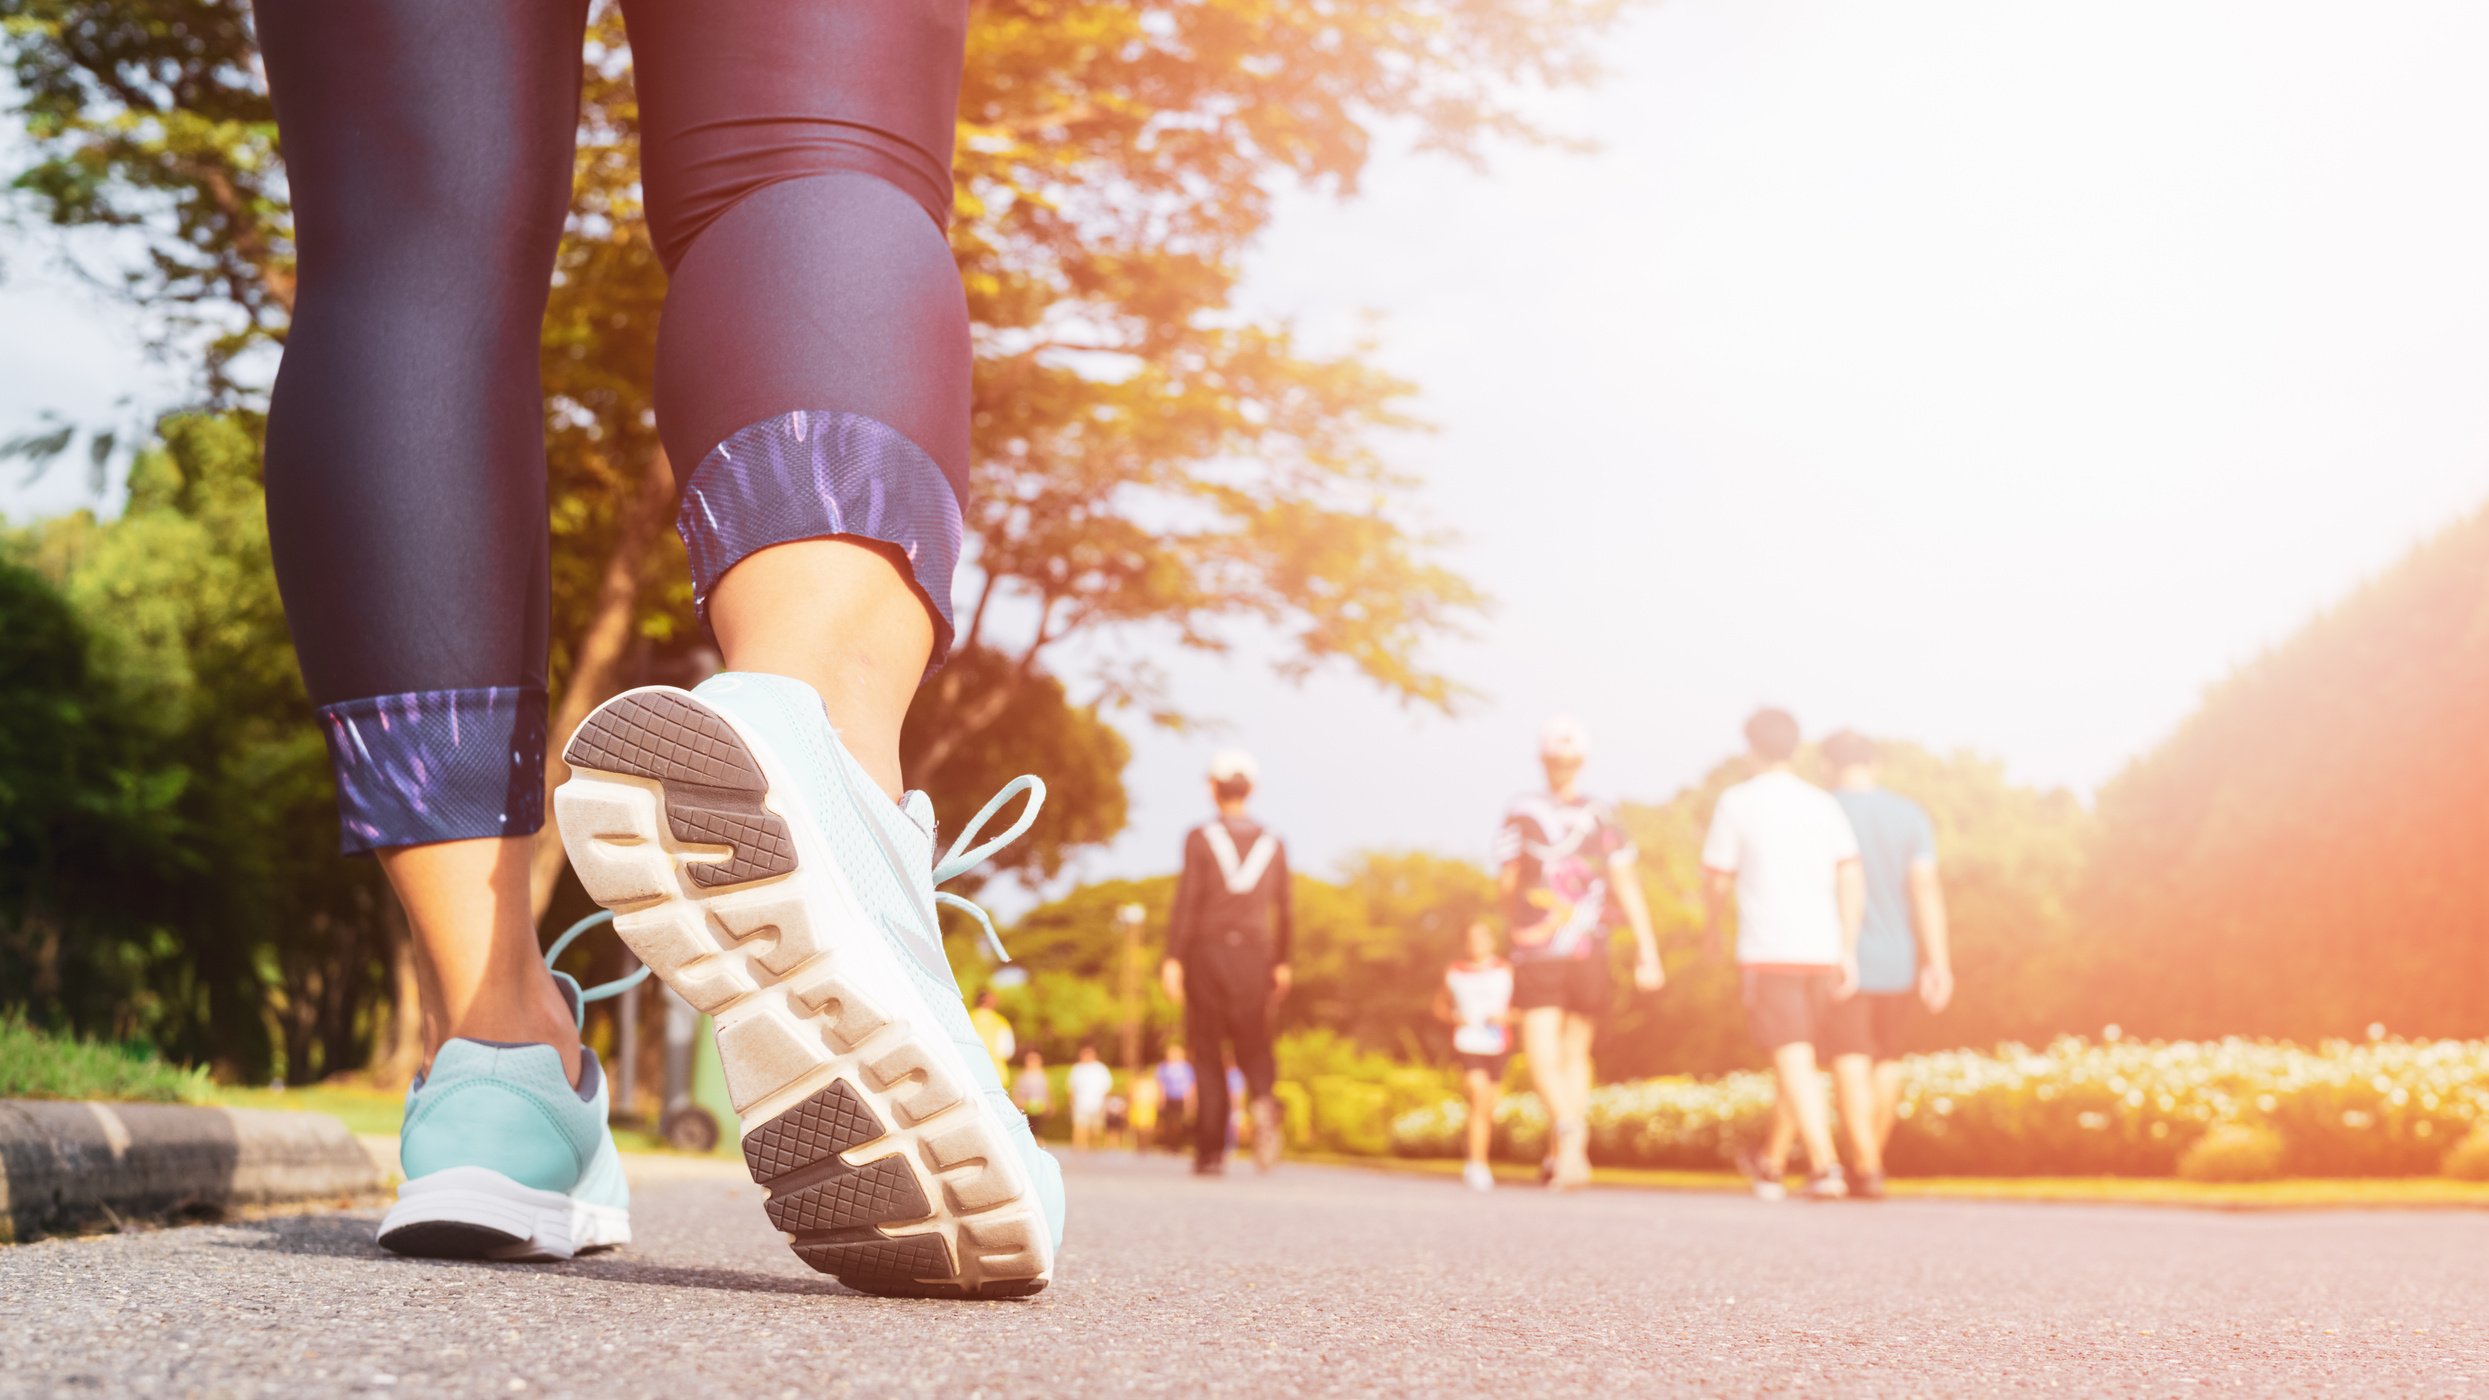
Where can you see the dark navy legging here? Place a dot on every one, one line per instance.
(812, 367)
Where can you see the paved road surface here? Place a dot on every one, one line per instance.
(1314, 1281)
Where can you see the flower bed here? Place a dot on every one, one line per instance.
(2382, 1107)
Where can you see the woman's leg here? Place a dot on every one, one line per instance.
(1542, 1039)
(1481, 1114)
(428, 149)
(813, 369)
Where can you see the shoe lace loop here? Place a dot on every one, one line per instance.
(601, 990)
(963, 857)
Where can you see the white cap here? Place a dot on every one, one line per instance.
(1228, 765)
(1564, 737)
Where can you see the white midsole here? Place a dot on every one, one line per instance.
(543, 1224)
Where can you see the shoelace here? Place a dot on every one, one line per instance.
(956, 864)
(951, 867)
(601, 990)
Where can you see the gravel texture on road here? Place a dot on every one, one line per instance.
(1314, 1281)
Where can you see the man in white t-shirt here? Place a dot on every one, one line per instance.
(1089, 1083)
(1786, 852)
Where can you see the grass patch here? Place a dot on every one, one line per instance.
(2296, 1193)
(372, 1111)
(361, 1108)
(37, 1065)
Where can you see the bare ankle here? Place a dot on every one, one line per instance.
(532, 1014)
(843, 618)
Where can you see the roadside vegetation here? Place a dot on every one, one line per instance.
(2211, 1111)
(38, 1065)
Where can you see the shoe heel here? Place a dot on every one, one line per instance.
(658, 754)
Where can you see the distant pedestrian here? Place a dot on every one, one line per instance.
(994, 1029)
(1904, 944)
(1475, 999)
(1175, 1098)
(1227, 959)
(1783, 852)
(1088, 1084)
(1565, 873)
(1235, 1106)
(1032, 1093)
(1119, 1117)
(1146, 1099)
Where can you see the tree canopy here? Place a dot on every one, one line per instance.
(1155, 469)
(2304, 855)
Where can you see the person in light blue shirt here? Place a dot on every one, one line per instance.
(1902, 946)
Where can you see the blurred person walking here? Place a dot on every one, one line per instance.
(994, 1031)
(1782, 850)
(813, 394)
(1565, 875)
(1089, 1085)
(1176, 1082)
(1475, 1000)
(1228, 941)
(1905, 953)
(1032, 1092)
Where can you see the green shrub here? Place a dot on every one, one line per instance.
(34, 1065)
(1351, 1115)
(1296, 1112)
(2468, 1160)
(2234, 1152)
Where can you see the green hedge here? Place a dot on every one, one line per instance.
(2383, 1107)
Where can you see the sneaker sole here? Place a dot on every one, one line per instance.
(477, 1213)
(881, 1163)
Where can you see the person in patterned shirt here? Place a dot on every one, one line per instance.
(1565, 875)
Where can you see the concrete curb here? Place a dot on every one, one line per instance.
(68, 1166)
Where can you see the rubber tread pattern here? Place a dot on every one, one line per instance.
(830, 1122)
(877, 1193)
(713, 787)
(886, 1265)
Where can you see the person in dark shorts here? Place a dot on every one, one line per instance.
(1565, 875)
(1782, 850)
(1905, 953)
(1475, 1000)
(1227, 961)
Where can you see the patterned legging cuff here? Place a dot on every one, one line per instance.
(437, 765)
(814, 474)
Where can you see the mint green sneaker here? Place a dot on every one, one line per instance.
(756, 868)
(504, 1159)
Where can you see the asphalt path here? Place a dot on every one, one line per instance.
(1314, 1281)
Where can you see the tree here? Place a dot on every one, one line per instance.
(2303, 856)
(80, 813)
(262, 950)
(1154, 469)
(1372, 949)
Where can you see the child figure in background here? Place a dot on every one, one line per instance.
(1034, 1096)
(1088, 1084)
(1119, 1120)
(1476, 1001)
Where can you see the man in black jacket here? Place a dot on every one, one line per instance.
(1227, 960)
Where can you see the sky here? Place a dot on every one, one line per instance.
(1996, 377)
